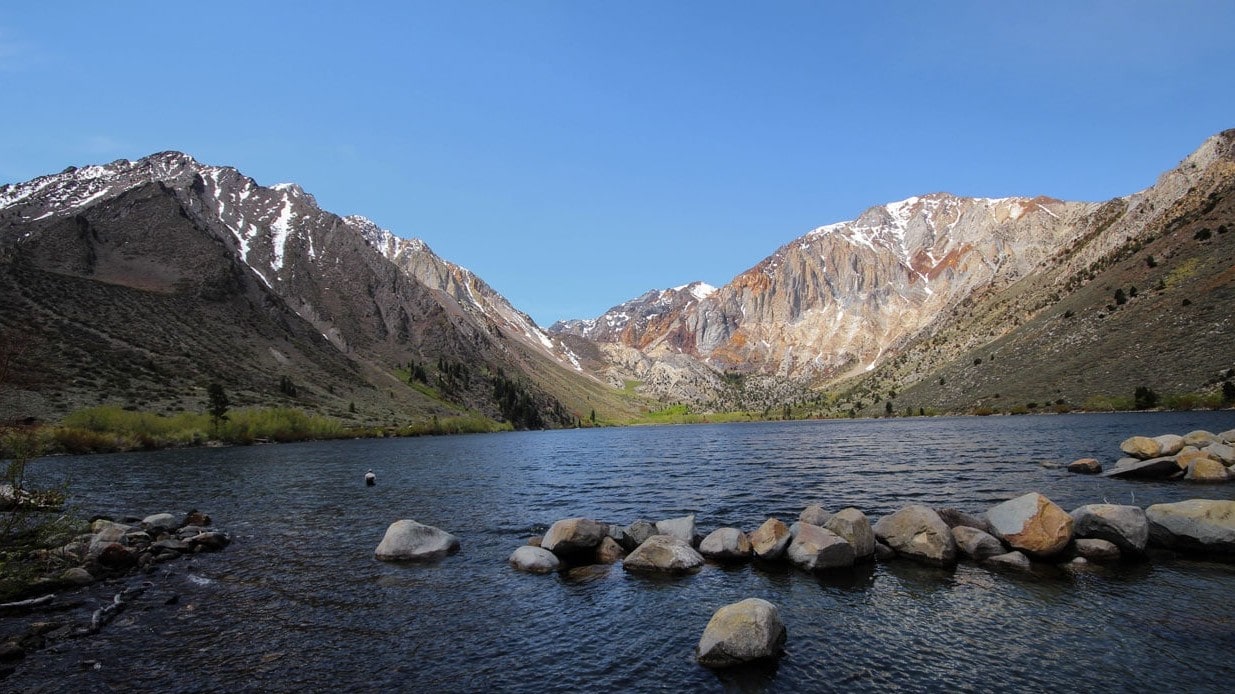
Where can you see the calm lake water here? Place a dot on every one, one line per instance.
(298, 602)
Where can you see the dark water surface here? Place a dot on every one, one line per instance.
(298, 602)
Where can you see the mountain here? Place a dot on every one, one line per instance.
(909, 287)
(139, 282)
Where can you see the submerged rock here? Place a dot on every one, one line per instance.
(412, 541)
(740, 633)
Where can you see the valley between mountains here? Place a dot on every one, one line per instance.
(137, 284)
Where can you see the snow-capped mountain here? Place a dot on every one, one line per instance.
(845, 298)
(167, 225)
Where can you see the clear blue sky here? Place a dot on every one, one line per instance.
(575, 154)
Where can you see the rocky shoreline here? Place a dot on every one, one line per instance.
(110, 555)
(1198, 456)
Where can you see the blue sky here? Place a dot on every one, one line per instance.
(575, 154)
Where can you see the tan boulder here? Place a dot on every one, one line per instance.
(1033, 524)
(570, 536)
(1200, 438)
(608, 551)
(664, 554)
(1190, 455)
(1085, 466)
(1169, 444)
(918, 533)
(741, 632)
(770, 540)
(853, 525)
(1206, 470)
(1141, 447)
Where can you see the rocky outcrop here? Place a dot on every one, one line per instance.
(918, 533)
(1032, 524)
(407, 540)
(740, 633)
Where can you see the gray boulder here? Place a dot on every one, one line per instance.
(1222, 451)
(976, 544)
(740, 633)
(1125, 526)
(574, 536)
(770, 540)
(1227, 436)
(623, 537)
(407, 540)
(535, 560)
(726, 544)
(160, 521)
(664, 554)
(1097, 550)
(815, 515)
(682, 528)
(819, 549)
(853, 525)
(954, 518)
(1197, 525)
(918, 533)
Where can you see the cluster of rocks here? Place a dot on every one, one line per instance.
(1199, 456)
(111, 550)
(114, 548)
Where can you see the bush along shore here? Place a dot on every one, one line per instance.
(106, 557)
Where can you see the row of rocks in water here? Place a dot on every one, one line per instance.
(1198, 456)
(1014, 533)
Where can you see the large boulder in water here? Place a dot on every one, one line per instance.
(918, 533)
(535, 560)
(818, 549)
(1206, 470)
(1200, 438)
(574, 536)
(740, 633)
(664, 554)
(726, 544)
(770, 540)
(1085, 466)
(1125, 526)
(1199, 525)
(407, 540)
(853, 525)
(682, 528)
(1033, 524)
(1169, 444)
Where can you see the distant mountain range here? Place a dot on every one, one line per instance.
(138, 283)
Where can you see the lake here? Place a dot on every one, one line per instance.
(298, 602)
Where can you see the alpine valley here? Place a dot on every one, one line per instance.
(139, 283)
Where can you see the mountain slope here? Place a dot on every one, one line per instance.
(143, 281)
(882, 302)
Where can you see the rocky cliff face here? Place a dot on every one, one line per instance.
(351, 299)
(845, 298)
